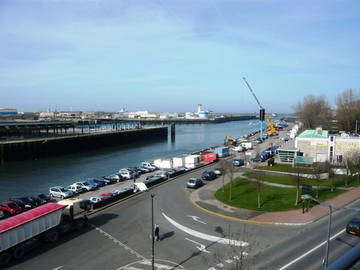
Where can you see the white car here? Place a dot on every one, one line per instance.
(148, 165)
(95, 199)
(85, 185)
(76, 188)
(60, 192)
(126, 174)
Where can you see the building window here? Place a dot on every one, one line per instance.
(339, 158)
(331, 153)
(332, 138)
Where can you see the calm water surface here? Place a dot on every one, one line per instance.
(33, 176)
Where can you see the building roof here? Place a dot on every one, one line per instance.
(313, 133)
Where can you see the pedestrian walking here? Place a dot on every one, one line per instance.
(157, 233)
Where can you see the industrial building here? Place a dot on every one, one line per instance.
(321, 146)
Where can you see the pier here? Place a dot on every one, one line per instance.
(32, 148)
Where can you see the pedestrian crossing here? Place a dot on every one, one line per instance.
(146, 265)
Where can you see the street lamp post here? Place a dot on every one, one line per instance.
(152, 232)
(326, 259)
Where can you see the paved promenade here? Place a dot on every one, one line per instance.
(204, 199)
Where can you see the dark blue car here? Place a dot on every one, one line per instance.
(208, 175)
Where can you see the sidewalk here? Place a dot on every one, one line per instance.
(204, 199)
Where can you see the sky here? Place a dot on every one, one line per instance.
(170, 55)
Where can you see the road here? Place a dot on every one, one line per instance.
(119, 238)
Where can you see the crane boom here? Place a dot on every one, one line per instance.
(252, 92)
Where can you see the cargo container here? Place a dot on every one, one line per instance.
(163, 163)
(178, 162)
(192, 161)
(45, 222)
(209, 157)
(222, 151)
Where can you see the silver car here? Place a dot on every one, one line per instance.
(60, 192)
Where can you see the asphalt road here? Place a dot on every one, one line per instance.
(119, 238)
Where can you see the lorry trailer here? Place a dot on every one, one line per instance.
(46, 222)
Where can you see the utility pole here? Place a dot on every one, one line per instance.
(152, 233)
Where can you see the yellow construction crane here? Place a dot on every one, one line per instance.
(271, 130)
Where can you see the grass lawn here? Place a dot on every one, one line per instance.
(244, 195)
(284, 168)
(338, 181)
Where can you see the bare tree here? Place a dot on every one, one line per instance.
(297, 180)
(258, 190)
(348, 109)
(314, 111)
(352, 161)
(318, 169)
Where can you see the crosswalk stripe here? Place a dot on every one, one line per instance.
(158, 266)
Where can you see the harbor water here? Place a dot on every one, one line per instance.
(28, 177)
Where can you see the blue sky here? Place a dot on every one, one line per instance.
(162, 55)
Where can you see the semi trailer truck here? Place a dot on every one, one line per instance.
(44, 223)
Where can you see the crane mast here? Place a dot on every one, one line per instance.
(261, 109)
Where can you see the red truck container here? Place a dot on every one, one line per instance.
(209, 157)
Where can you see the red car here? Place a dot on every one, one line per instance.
(10, 208)
(106, 195)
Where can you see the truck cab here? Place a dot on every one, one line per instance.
(75, 208)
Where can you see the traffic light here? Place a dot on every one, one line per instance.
(262, 114)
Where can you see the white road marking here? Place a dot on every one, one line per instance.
(201, 247)
(58, 268)
(158, 265)
(207, 237)
(144, 264)
(195, 218)
(310, 251)
(212, 268)
(116, 241)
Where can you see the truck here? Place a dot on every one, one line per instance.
(246, 145)
(46, 222)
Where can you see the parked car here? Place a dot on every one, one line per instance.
(152, 178)
(127, 174)
(95, 199)
(43, 197)
(285, 139)
(76, 188)
(112, 179)
(171, 172)
(60, 192)
(106, 195)
(24, 202)
(123, 190)
(96, 182)
(86, 185)
(238, 162)
(162, 174)
(194, 183)
(208, 175)
(10, 208)
(353, 227)
(149, 165)
(218, 171)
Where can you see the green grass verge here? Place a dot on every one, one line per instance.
(286, 168)
(244, 195)
(338, 181)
